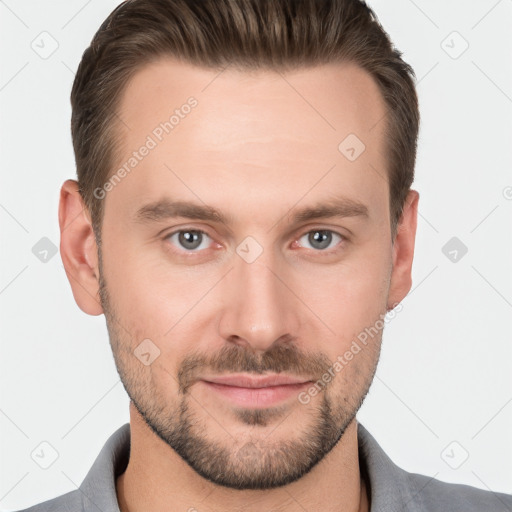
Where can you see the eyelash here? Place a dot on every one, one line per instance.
(343, 240)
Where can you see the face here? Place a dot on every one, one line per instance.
(244, 242)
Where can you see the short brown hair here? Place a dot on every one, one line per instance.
(248, 34)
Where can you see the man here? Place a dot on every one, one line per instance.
(243, 212)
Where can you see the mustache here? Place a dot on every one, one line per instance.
(282, 358)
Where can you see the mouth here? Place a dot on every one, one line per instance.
(255, 391)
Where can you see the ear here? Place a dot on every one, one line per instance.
(403, 251)
(78, 249)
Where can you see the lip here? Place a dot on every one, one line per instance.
(250, 381)
(256, 392)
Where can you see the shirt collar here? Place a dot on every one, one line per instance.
(390, 487)
(387, 484)
(98, 489)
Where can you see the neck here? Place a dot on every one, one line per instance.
(158, 479)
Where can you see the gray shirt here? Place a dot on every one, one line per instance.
(391, 488)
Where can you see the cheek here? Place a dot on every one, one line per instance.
(351, 295)
(138, 280)
(155, 300)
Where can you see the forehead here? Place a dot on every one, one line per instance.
(310, 102)
(251, 134)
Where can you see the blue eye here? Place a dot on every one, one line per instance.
(320, 239)
(189, 239)
(196, 240)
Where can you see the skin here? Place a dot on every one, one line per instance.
(258, 150)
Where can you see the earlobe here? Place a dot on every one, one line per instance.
(78, 249)
(403, 251)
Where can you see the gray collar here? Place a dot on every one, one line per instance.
(391, 489)
(98, 489)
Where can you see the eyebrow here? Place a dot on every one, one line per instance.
(165, 209)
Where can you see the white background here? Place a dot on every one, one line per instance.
(445, 371)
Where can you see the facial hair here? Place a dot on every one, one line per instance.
(257, 464)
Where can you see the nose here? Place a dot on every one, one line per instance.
(259, 305)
